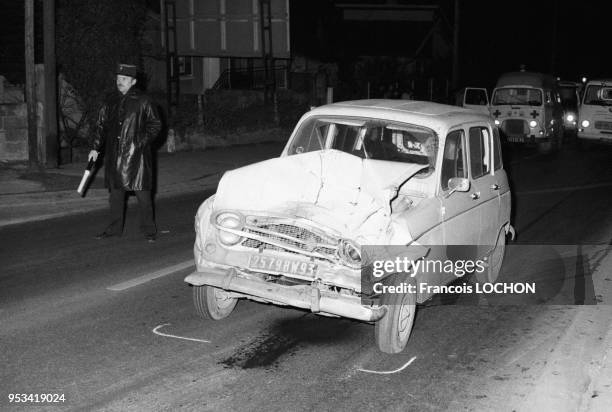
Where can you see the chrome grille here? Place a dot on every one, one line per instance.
(603, 125)
(515, 127)
(290, 235)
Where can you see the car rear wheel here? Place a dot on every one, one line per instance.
(393, 330)
(495, 260)
(213, 303)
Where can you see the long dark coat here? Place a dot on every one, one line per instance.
(126, 127)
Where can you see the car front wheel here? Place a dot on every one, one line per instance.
(213, 303)
(393, 330)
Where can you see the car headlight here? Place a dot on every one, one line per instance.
(533, 124)
(350, 253)
(585, 123)
(497, 122)
(229, 220)
(570, 118)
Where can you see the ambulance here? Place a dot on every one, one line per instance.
(527, 109)
(595, 113)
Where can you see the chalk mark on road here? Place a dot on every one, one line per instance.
(389, 372)
(167, 335)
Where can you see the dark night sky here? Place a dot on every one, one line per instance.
(524, 33)
(495, 36)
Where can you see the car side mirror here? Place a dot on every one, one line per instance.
(458, 184)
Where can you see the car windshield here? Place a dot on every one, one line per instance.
(518, 95)
(598, 95)
(367, 139)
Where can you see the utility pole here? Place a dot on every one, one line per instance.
(455, 76)
(50, 155)
(553, 56)
(30, 87)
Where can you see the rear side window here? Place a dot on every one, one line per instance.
(497, 155)
(454, 161)
(480, 151)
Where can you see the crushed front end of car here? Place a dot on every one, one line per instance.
(288, 231)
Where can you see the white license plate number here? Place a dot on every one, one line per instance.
(283, 266)
(515, 139)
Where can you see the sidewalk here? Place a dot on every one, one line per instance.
(29, 196)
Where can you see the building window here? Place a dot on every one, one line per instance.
(185, 65)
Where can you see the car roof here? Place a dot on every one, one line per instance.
(428, 114)
(600, 81)
(567, 83)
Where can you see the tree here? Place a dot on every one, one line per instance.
(92, 37)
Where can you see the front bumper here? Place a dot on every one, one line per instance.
(593, 135)
(300, 296)
(527, 139)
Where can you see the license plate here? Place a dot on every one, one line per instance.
(283, 266)
(515, 139)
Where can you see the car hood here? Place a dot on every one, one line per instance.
(330, 187)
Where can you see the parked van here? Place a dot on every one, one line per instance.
(569, 93)
(527, 108)
(595, 112)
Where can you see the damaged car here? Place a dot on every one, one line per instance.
(293, 230)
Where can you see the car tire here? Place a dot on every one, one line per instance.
(393, 330)
(495, 260)
(213, 303)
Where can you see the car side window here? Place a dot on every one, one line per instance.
(480, 151)
(454, 159)
(497, 155)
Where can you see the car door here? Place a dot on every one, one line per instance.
(501, 181)
(460, 214)
(476, 98)
(485, 186)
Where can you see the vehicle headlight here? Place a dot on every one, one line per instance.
(570, 118)
(533, 124)
(585, 123)
(229, 220)
(350, 253)
(497, 122)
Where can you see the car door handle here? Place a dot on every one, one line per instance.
(494, 186)
(475, 195)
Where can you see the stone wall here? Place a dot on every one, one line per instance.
(13, 132)
(14, 120)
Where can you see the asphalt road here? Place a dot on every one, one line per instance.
(110, 324)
